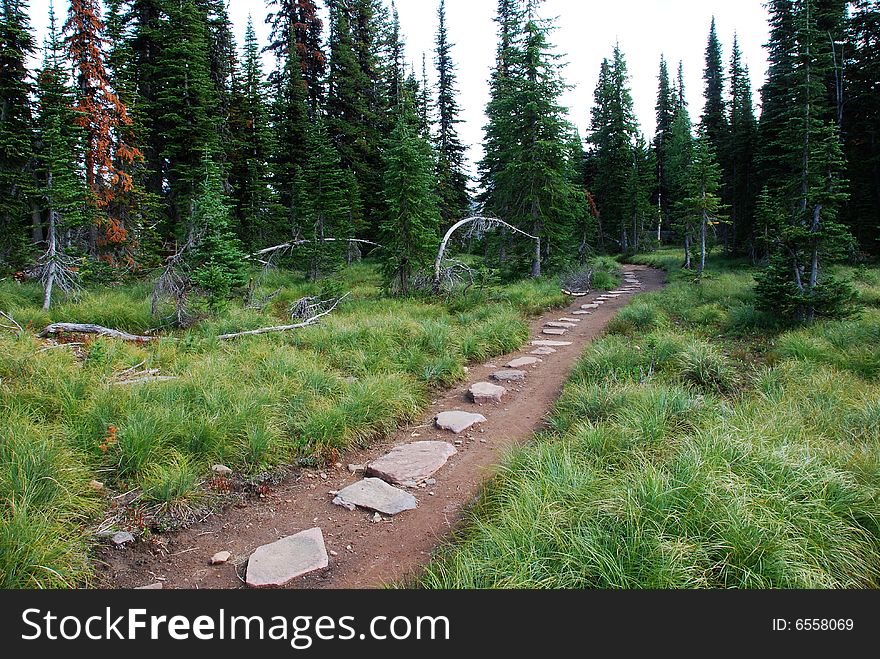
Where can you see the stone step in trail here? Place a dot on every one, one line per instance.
(509, 376)
(277, 564)
(571, 320)
(486, 392)
(376, 495)
(457, 421)
(554, 332)
(544, 351)
(560, 325)
(522, 362)
(592, 306)
(551, 344)
(411, 463)
(582, 313)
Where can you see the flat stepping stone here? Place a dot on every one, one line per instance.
(411, 463)
(554, 332)
(457, 421)
(486, 392)
(523, 361)
(509, 376)
(594, 305)
(543, 351)
(376, 495)
(561, 325)
(582, 313)
(551, 344)
(570, 320)
(277, 564)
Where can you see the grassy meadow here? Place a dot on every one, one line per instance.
(253, 404)
(699, 444)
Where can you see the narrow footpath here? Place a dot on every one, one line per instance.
(422, 479)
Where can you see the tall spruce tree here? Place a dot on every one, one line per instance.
(679, 160)
(703, 202)
(665, 109)
(614, 131)
(16, 135)
(807, 184)
(862, 125)
(254, 207)
(740, 180)
(297, 33)
(62, 195)
(714, 119)
(527, 153)
(329, 215)
(452, 179)
(188, 114)
(410, 230)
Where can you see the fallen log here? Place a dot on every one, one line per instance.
(144, 380)
(284, 328)
(75, 328)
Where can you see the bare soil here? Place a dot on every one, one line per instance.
(364, 553)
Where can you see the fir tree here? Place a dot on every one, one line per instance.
(216, 261)
(665, 109)
(296, 34)
(679, 160)
(807, 182)
(452, 180)
(187, 110)
(739, 178)
(105, 120)
(614, 131)
(328, 211)
(714, 120)
(411, 227)
(63, 197)
(16, 136)
(254, 204)
(703, 202)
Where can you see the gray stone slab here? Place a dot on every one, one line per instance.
(591, 306)
(277, 564)
(486, 392)
(560, 325)
(411, 463)
(570, 320)
(543, 351)
(554, 332)
(376, 495)
(509, 376)
(122, 538)
(457, 421)
(551, 344)
(582, 313)
(523, 362)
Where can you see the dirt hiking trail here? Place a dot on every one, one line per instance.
(363, 552)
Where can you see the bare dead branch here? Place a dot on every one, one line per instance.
(75, 328)
(144, 380)
(300, 243)
(13, 321)
(285, 328)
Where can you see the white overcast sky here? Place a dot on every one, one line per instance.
(586, 33)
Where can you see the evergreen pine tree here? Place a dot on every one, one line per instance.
(328, 210)
(216, 261)
(16, 136)
(188, 110)
(614, 131)
(254, 205)
(452, 180)
(297, 34)
(678, 164)
(665, 109)
(703, 202)
(410, 231)
(807, 181)
(62, 194)
(740, 181)
(714, 120)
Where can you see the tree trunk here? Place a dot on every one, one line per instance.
(36, 225)
(687, 251)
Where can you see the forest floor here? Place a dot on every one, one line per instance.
(364, 553)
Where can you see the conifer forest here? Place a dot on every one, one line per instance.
(227, 263)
